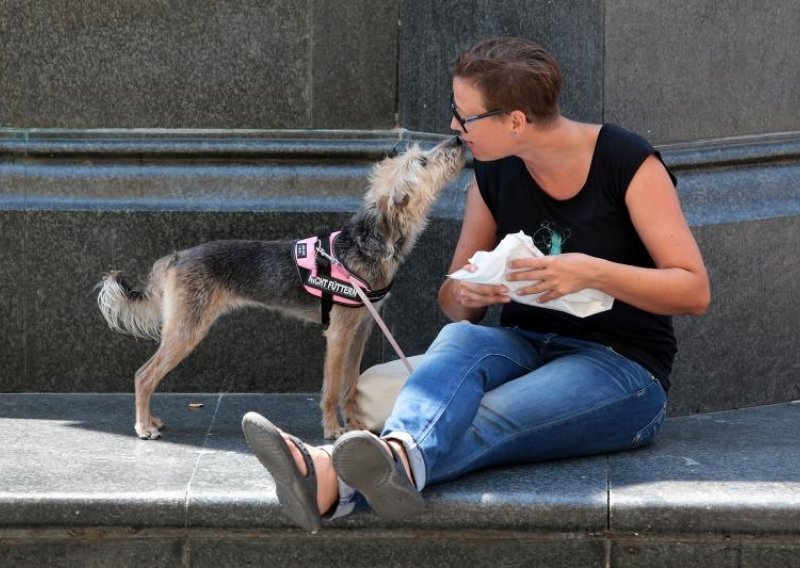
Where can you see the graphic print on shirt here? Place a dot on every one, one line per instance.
(549, 238)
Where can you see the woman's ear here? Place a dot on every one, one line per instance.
(518, 120)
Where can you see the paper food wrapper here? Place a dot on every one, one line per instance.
(492, 268)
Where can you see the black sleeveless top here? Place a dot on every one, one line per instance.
(594, 222)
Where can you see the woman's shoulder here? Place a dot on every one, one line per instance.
(622, 152)
(615, 137)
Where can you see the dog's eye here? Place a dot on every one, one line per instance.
(423, 161)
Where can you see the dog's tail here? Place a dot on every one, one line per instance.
(132, 311)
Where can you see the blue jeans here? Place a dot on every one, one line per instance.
(487, 396)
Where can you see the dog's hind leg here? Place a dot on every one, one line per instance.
(355, 352)
(175, 347)
(189, 312)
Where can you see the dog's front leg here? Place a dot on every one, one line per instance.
(338, 336)
(355, 352)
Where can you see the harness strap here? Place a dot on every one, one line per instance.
(325, 276)
(324, 270)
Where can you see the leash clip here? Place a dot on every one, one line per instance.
(321, 251)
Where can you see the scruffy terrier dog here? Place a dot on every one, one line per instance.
(188, 290)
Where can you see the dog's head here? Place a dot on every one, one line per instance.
(404, 187)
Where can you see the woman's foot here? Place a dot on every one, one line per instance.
(305, 482)
(327, 482)
(379, 471)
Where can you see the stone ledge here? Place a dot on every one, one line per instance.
(203, 144)
(720, 181)
(78, 488)
(72, 460)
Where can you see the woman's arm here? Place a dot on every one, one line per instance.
(678, 285)
(464, 301)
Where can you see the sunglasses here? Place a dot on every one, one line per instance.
(463, 120)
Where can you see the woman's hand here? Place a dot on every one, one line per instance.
(553, 276)
(471, 295)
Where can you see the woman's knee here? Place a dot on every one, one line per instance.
(464, 335)
(647, 434)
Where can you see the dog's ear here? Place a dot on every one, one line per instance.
(397, 199)
(373, 233)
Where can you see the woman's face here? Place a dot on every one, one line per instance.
(488, 138)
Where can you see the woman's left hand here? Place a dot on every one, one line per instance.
(556, 276)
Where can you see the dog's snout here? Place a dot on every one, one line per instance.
(451, 143)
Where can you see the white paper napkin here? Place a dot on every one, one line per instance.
(492, 268)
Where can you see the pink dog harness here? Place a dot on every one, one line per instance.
(327, 278)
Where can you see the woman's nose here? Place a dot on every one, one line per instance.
(455, 125)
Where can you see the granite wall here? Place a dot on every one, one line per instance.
(97, 171)
(670, 70)
(185, 64)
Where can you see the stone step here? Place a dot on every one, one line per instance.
(79, 489)
(75, 204)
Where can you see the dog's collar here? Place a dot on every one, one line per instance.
(327, 278)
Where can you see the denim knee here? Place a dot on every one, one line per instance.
(459, 333)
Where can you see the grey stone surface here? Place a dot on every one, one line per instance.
(274, 64)
(102, 64)
(78, 487)
(74, 460)
(670, 71)
(726, 472)
(435, 32)
(698, 551)
(678, 553)
(97, 207)
(743, 351)
(354, 57)
(677, 71)
(779, 554)
(12, 278)
(399, 548)
(190, 170)
(71, 460)
(89, 549)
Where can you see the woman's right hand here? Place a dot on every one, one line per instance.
(472, 295)
(461, 300)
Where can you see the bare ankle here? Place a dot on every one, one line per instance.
(327, 481)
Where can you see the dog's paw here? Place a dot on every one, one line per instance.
(156, 422)
(148, 432)
(333, 433)
(355, 424)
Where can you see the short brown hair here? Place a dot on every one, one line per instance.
(513, 74)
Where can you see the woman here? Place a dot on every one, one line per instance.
(543, 385)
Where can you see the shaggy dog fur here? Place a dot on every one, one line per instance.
(188, 290)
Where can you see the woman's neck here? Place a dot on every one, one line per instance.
(559, 156)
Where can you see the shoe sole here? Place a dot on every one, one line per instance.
(291, 487)
(362, 462)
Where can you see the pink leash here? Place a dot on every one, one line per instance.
(375, 315)
(380, 322)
